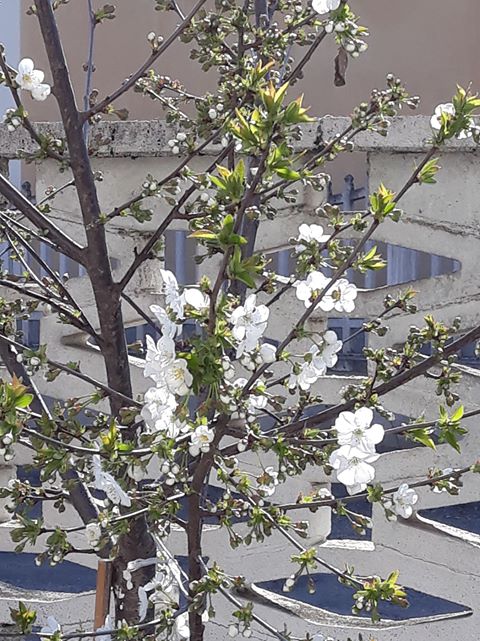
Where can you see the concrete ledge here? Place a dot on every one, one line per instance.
(144, 138)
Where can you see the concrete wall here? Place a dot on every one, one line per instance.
(442, 219)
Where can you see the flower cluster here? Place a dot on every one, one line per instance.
(446, 112)
(324, 6)
(249, 322)
(317, 289)
(315, 362)
(31, 79)
(308, 234)
(12, 120)
(357, 438)
(401, 503)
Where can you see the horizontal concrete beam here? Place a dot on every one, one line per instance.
(143, 138)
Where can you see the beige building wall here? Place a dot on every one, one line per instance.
(430, 44)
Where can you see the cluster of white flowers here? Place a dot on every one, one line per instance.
(93, 534)
(12, 120)
(31, 79)
(267, 482)
(249, 323)
(339, 296)
(448, 109)
(324, 6)
(200, 440)
(170, 374)
(104, 481)
(357, 438)
(177, 143)
(308, 234)
(402, 502)
(351, 43)
(315, 362)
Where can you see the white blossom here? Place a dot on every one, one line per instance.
(331, 346)
(249, 322)
(268, 353)
(158, 411)
(196, 298)
(339, 297)
(171, 292)
(310, 234)
(353, 468)
(200, 440)
(305, 378)
(355, 429)
(403, 501)
(167, 326)
(178, 379)
(104, 481)
(93, 534)
(448, 109)
(41, 92)
(28, 77)
(324, 6)
(51, 626)
(159, 357)
(308, 289)
(268, 481)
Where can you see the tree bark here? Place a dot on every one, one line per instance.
(138, 542)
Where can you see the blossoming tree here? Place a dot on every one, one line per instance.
(210, 388)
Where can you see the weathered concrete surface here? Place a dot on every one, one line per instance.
(141, 138)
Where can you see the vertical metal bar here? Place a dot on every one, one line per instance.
(180, 256)
(4, 170)
(102, 594)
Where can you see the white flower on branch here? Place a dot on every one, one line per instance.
(310, 234)
(166, 370)
(51, 627)
(200, 440)
(306, 376)
(267, 353)
(158, 412)
(41, 92)
(28, 77)
(167, 326)
(93, 534)
(316, 362)
(307, 290)
(353, 468)
(195, 298)
(171, 292)
(268, 481)
(331, 346)
(324, 6)
(447, 109)
(340, 296)
(159, 356)
(178, 379)
(249, 323)
(356, 429)
(403, 501)
(104, 481)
